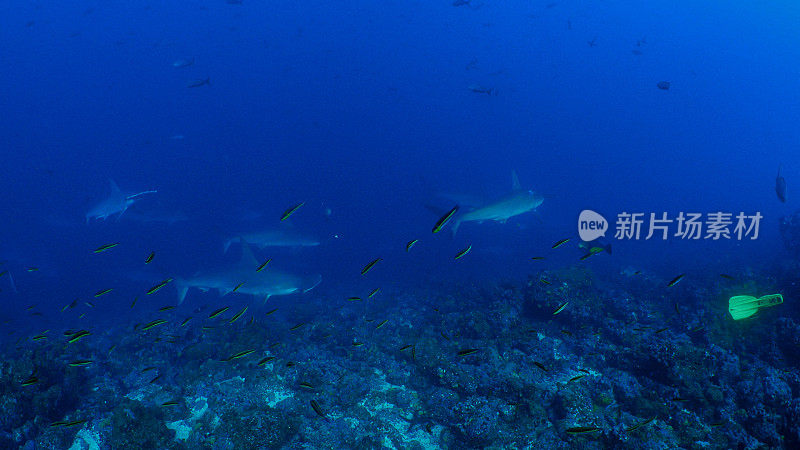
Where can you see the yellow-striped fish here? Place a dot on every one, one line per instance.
(369, 266)
(158, 287)
(103, 248)
(291, 211)
(461, 254)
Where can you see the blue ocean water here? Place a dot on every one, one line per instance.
(378, 118)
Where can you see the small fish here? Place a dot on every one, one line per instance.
(147, 369)
(166, 308)
(539, 365)
(537, 258)
(560, 243)
(357, 344)
(374, 291)
(198, 83)
(170, 403)
(726, 276)
(155, 379)
(102, 292)
(291, 211)
(315, 406)
(444, 219)
(406, 347)
(239, 314)
(39, 337)
(133, 303)
(157, 287)
(59, 423)
(183, 62)
(32, 269)
(661, 330)
(89, 304)
(716, 424)
(103, 248)
(676, 280)
(265, 360)
(270, 311)
(218, 312)
(561, 308)
(369, 266)
(306, 385)
(410, 244)
(584, 371)
(81, 363)
(467, 352)
(154, 323)
(238, 286)
(238, 355)
(74, 423)
(70, 306)
(297, 327)
(78, 335)
(263, 265)
(30, 381)
(185, 321)
(544, 282)
(639, 425)
(581, 430)
(353, 299)
(150, 257)
(382, 323)
(290, 364)
(461, 254)
(567, 332)
(413, 353)
(780, 186)
(576, 378)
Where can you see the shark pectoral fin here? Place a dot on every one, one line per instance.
(11, 279)
(135, 196)
(182, 290)
(515, 186)
(316, 283)
(267, 298)
(456, 224)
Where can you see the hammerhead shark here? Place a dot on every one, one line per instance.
(246, 278)
(116, 203)
(519, 201)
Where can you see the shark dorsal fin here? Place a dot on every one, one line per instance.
(248, 259)
(515, 186)
(114, 187)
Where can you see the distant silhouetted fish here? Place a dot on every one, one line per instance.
(198, 83)
(663, 85)
(780, 187)
(183, 62)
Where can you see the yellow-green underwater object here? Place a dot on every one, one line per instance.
(743, 306)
